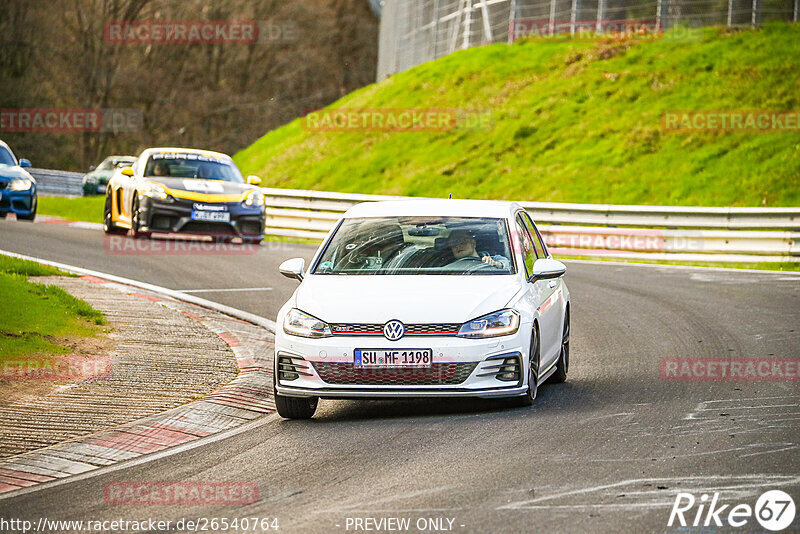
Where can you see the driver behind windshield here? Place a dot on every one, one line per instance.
(462, 245)
(161, 169)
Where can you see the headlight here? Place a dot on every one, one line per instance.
(155, 191)
(301, 324)
(20, 184)
(501, 323)
(254, 198)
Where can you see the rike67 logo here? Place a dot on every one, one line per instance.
(774, 511)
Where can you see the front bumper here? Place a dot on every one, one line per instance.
(461, 367)
(17, 202)
(176, 217)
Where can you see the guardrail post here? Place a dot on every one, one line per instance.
(552, 16)
(601, 15)
(756, 14)
(467, 23)
(576, 7)
(512, 17)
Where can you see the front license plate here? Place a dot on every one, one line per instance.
(214, 216)
(393, 358)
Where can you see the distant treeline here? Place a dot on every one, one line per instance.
(142, 59)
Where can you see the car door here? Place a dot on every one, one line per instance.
(541, 293)
(555, 287)
(127, 191)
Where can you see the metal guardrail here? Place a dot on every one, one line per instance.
(640, 232)
(58, 183)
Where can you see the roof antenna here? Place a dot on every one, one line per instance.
(450, 196)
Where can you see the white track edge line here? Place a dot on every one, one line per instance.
(227, 310)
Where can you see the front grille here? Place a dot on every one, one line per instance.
(449, 373)
(442, 329)
(250, 227)
(162, 222)
(208, 228)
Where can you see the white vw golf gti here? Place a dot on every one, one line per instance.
(423, 298)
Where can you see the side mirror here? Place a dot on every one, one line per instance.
(24, 162)
(253, 180)
(127, 171)
(545, 269)
(293, 268)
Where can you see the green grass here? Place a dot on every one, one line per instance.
(34, 314)
(569, 122)
(89, 209)
(10, 265)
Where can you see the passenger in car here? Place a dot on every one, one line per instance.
(462, 244)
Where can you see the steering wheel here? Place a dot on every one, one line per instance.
(480, 265)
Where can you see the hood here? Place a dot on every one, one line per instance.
(410, 299)
(8, 172)
(204, 187)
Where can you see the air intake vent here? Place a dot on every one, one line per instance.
(291, 367)
(504, 367)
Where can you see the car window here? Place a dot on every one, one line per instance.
(418, 245)
(537, 240)
(526, 245)
(6, 157)
(107, 165)
(195, 166)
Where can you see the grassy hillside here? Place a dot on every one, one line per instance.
(570, 122)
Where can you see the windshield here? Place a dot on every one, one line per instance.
(192, 166)
(418, 245)
(6, 157)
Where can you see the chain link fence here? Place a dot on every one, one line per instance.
(416, 31)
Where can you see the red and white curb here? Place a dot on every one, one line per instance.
(241, 401)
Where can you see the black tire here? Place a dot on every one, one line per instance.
(560, 375)
(294, 407)
(3, 215)
(108, 223)
(533, 371)
(32, 215)
(135, 223)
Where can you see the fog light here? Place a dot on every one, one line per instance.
(509, 371)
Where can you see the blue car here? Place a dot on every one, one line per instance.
(17, 186)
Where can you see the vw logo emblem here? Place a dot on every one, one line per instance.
(394, 330)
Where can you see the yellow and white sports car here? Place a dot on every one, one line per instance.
(170, 190)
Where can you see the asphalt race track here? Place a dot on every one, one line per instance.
(606, 452)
